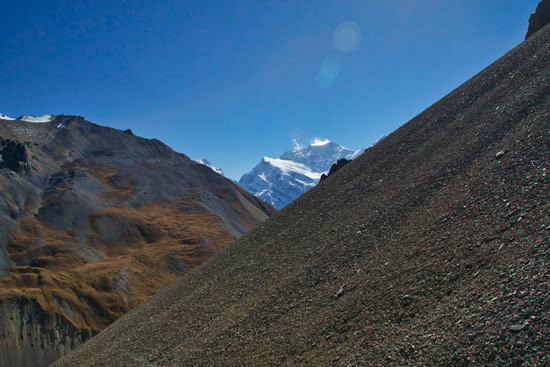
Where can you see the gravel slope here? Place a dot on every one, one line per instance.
(432, 248)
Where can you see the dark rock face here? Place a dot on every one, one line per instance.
(30, 337)
(539, 18)
(14, 156)
(335, 167)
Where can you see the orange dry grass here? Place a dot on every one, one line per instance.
(92, 295)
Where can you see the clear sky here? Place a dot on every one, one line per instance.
(232, 81)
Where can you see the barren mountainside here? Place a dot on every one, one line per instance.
(431, 248)
(93, 221)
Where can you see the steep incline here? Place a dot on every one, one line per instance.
(432, 248)
(93, 221)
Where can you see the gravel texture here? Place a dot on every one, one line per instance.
(432, 248)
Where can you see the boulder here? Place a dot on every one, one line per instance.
(335, 167)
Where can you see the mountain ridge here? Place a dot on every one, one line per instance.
(94, 220)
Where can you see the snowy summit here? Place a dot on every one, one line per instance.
(279, 181)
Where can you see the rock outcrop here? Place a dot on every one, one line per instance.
(14, 156)
(335, 167)
(539, 19)
(31, 337)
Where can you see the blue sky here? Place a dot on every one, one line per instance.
(232, 81)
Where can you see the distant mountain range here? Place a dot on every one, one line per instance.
(279, 181)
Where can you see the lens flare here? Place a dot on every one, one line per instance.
(328, 72)
(347, 37)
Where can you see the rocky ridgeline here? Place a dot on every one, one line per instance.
(539, 19)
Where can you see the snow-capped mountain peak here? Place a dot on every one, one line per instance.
(206, 163)
(279, 181)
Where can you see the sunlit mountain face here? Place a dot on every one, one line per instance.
(279, 181)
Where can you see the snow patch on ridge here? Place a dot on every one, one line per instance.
(37, 120)
(287, 167)
(4, 117)
(382, 137)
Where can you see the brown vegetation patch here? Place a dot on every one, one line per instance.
(163, 241)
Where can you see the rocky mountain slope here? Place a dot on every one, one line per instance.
(93, 221)
(431, 248)
(279, 181)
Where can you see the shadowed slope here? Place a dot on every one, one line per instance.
(432, 248)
